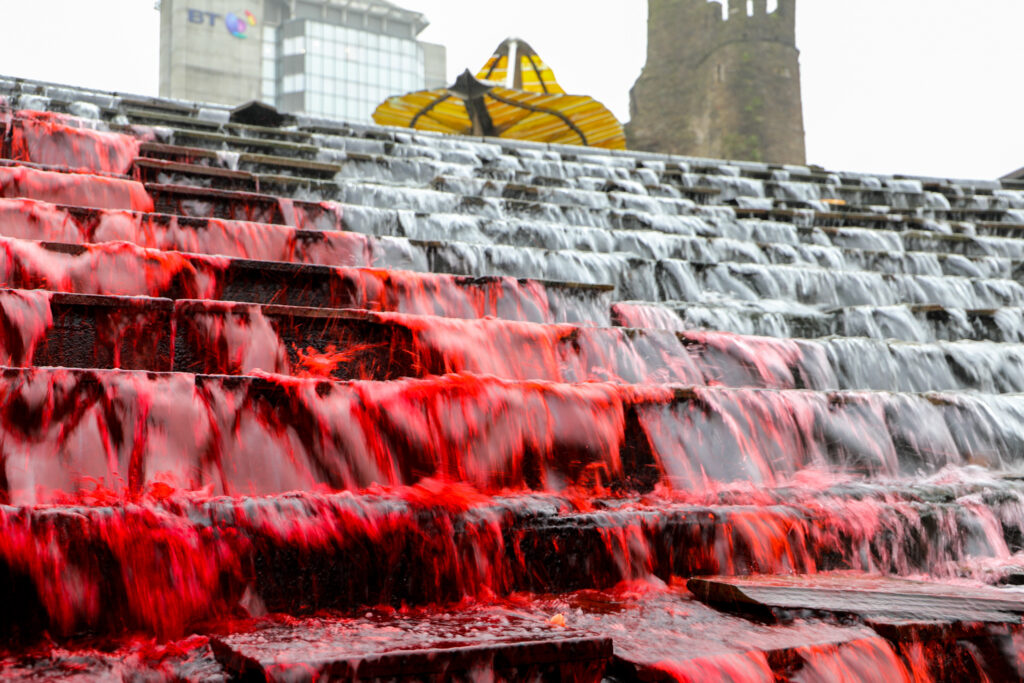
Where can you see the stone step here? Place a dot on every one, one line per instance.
(966, 245)
(858, 205)
(200, 559)
(81, 189)
(652, 245)
(161, 171)
(1000, 229)
(266, 208)
(120, 268)
(647, 636)
(29, 219)
(166, 119)
(272, 433)
(163, 117)
(448, 645)
(692, 224)
(248, 163)
(240, 143)
(967, 632)
(44, 328)
(202, 202)
(854, 188)
(897, 607)
(381, 152)
(774, 318)
(992, 221)
(827, 288)
(626, 217)
(59, 140)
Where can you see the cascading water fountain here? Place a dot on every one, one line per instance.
(318, 401)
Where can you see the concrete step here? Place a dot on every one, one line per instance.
(269, 433)
(805, 247)
(124, 269)
(442, 645)
(774, 318)
(44, 328)
(252, 164)
(827, 288)
(80, 189)
(203, 202)
(29, 219)
(257, 145)
(165, 172)
(967, 631)
(200, 559)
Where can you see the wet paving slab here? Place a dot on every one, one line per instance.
(636, 631)
(441, 645)
(874, 599)
(942, 631)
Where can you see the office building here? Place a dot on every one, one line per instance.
(330, 58)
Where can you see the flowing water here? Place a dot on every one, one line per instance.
(538, 386)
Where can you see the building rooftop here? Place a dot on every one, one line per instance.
(382, 8)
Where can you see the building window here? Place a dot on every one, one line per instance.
(346, 71)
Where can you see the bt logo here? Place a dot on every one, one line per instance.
(237, 25)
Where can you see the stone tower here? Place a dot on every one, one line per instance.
(714, 87)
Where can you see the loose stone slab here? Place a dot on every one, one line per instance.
(431, 645)
(890, 605)
(949, 632)
(660, 633)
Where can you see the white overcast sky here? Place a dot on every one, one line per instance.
(927, 87)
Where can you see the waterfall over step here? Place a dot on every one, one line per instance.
(355, 402)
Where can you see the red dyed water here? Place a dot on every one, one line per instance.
(739, 668)
(38, 220)
(646, 316)
(58, 140)
(76, 189)
(240, 337)
(26, 319)
(542, 477)
(115, 268)
(869, 660)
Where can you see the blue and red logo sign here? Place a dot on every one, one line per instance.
(236, 23)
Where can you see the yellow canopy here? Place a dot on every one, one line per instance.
(531, 73)
(537, 110)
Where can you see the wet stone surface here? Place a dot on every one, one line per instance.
(436, 645)
(573, 379)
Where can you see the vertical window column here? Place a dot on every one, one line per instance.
(268, 85)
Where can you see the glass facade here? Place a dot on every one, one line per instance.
(335, 59)
(333, 71)
(268, 84)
